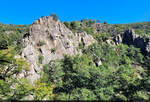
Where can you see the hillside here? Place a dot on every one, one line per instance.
(78, 60)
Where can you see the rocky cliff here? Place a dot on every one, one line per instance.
(129, 37)
(49, 39)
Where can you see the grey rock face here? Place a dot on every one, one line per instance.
(118, 39)
(130, 38)
(57, 40)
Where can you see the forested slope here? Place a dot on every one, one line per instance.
(91, 61)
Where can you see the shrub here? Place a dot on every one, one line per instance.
(53, 50)
(41, 58)
(67, 24)
(75, 25)
(141, 96)
(105, 22)
(9, 65)
(4, 41)
(42, 90)
(41, 43)
(55, 17)
(89, 30)
(91, 22)
(105, 36)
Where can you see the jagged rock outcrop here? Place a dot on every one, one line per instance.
(129, 37)
(50, 39)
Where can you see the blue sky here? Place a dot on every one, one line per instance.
(112, 11)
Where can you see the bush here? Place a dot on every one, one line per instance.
(42, 90)
(105, 36)
(41, 43)
(53, 50)
(67, 24)
(56, 70)
(89, 30)
(55, 17)
(105, 22)
(141, 96)
(75, 25)
(41, 58)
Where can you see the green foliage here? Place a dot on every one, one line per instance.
(41, 58)
(78, 94)
(97, 37)
(75, 25)
(105, 36)
(4, 89)
(14, 89)
(140, 27)
(81, 45)
(84, 25)
(67, 24)
(53, 50)
(102, 37)
(55, 17)
(91, 22)
(42, 90)
(22, 88)
(88, 22)
(105, 94)
(11, 40)
(3, 41)
(105, 22)
(9, 65)
(12, 35)
(55, 68)
(141, 96)
(41, 43)
(123, 76)
(77, 78)
(89, 30)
